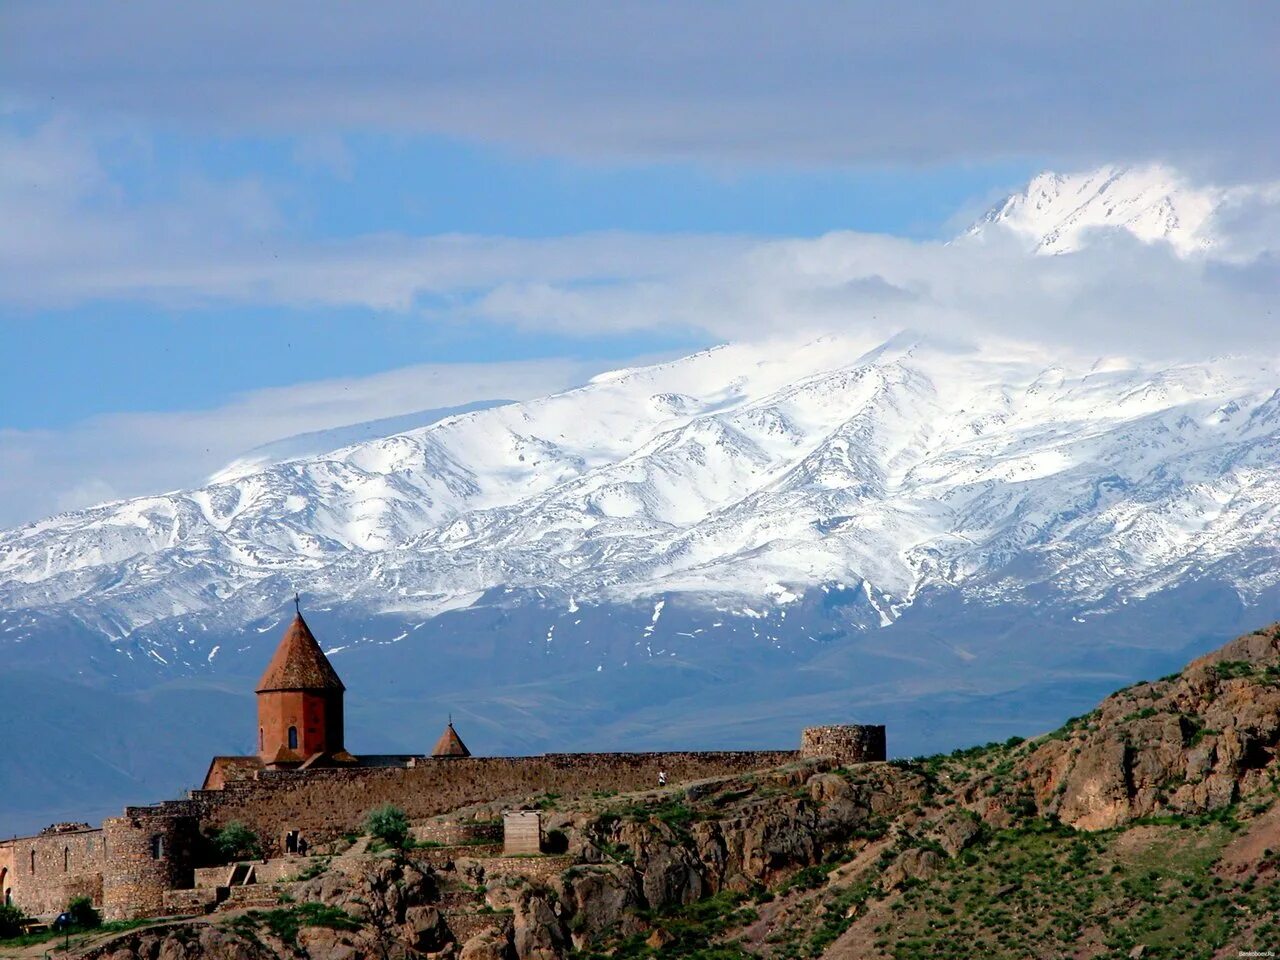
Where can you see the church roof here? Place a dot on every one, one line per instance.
(299, 663)
(450, 744)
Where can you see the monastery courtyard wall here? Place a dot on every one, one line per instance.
(324, 804)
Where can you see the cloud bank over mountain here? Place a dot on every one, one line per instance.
(1194, 269)
(824, 84)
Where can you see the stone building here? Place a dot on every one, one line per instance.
(303, 783)
(300, 704)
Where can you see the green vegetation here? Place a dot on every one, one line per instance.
(76, 935)
(1150, 884)
(1231, 669)
(688, 933)
(235, 841)
(314, 869)
(11, 920)
(82, 914)
(285, 922)
(388, 824)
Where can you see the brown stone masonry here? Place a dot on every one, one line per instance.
(42, 874)
(849, 743)
(323, 804)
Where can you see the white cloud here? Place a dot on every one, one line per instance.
(74, 239)
(122, 455)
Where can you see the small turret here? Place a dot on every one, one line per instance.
(450, 744)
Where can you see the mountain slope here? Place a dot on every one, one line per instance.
(746, 473)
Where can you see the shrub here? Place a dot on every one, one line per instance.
(82, 913)
(388, 824)
(235, 841)
(10, 921)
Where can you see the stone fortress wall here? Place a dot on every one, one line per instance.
(149, 851)
(134, 865)
(324, 804)
(41, 874)
(128, 866)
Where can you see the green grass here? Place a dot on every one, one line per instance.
(1047, 886)
(690, 932)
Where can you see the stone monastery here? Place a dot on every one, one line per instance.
(304, 789)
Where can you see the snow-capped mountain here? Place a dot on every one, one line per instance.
(1056, 212)
(746, 474)
(963, 541)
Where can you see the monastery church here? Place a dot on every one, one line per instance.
(304, 785)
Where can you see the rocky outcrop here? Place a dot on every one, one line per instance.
(817, 845)
(1191, 743)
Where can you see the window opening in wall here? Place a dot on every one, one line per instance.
(33, 862)
(262, 740)
(157, 847)
(293, 738)
(66, 859)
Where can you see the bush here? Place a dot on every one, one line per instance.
(235, 841)
(10, 921)
(388, 824)
(82, 914)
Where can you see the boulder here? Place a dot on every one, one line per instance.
(671, 879)
(537, 933)
(424, 928)
(488, 945)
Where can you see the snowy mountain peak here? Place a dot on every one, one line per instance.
(748, 470)
(1056, 212)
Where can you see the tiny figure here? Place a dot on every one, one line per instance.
(302, 846)
(662, 778)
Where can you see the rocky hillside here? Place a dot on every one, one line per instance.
(1147, 828)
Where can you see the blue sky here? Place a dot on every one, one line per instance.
(213, 215)
(131, 354)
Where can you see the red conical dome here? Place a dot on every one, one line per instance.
(450, 744)
(299, 663)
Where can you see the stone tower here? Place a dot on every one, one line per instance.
(300, 703)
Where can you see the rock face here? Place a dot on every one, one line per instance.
(1190, 743)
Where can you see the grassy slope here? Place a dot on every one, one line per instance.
(1026, 885)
